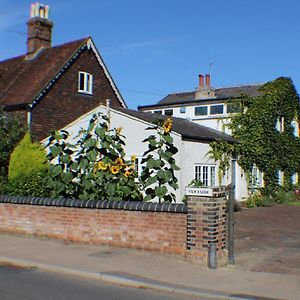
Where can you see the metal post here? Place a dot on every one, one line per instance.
(212, 256)
(230, 223)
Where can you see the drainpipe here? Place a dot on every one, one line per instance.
(108, 111)
(29, 118)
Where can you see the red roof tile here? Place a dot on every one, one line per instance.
(22, 79)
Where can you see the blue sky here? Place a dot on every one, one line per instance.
(153, 48)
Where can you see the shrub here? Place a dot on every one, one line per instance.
(284, 197)
(27, 169)
(254, 200)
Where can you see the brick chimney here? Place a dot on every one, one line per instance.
(204, 91)
(39, 32)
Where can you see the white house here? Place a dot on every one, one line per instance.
(205, 105)
(191, 139)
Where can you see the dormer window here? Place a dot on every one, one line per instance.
(85, 83)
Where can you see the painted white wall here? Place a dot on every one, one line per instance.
(212, 121)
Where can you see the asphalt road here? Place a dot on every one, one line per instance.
(32, 284)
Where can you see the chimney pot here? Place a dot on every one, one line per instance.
(207, 81)
(201, 81)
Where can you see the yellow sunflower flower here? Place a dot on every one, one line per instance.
(102, 166)
(167, 127)
(128, 173)
(119, 161)
(133, 158)
(118, 131)
(114, 169)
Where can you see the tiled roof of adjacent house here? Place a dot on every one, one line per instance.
(189, 130)
(219, 93)
(22, 78)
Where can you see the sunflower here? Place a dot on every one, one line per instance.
(118, 131)
(167, 125)
(119, 161)
(128, 173)
(114, 169)
(133, 158)
(102, 166)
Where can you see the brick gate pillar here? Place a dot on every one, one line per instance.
(206, 223)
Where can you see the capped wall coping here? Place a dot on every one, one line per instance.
(96, 204)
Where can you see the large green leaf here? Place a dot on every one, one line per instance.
(55, 170)
(54, 150)
(160, 191)
(150, 180)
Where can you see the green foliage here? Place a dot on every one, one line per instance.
(264, 198)
(284, 197)
(29, 185)
(11, 132)
(27, 158)
(27, 169)
(195, 183)
(260, 143)
(94, 167)
(222, 152)
(160, 165)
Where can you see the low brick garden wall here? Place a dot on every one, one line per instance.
(179, 229)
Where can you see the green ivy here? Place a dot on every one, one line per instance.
(260, 142)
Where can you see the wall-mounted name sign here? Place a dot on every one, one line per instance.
(204, 192)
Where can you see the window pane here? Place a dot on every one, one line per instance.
(168, 112)
(216, 109)
(88, 83)
(81, 81)
(159, 112)
(201, 111)
(205, 176)
(182, 109)
(198, 173)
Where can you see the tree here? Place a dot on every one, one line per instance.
(11, 133)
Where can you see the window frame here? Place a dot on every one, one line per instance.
(157, 112)
(85, 79)
(215, 105)
(206, 173)
(169, 112)
(201, 106)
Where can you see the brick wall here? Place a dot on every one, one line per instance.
(166, 228)
(159, 231)
(63, 103)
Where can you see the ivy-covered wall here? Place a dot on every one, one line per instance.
(265, 130)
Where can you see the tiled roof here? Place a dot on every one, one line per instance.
(22, 79)
(220, 93)
(189, 130)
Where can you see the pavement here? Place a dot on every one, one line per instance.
(145, 270)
